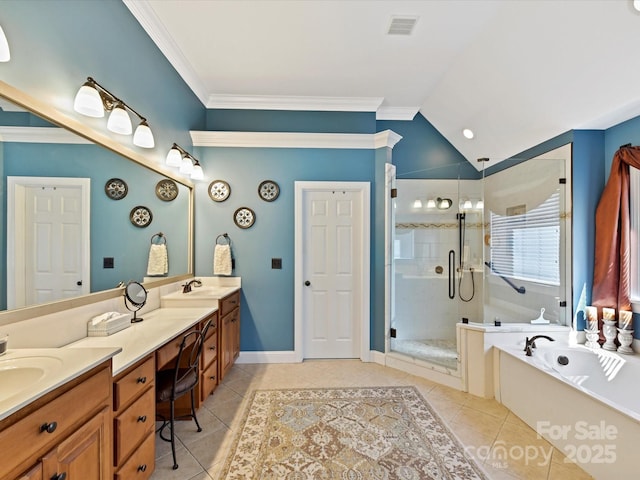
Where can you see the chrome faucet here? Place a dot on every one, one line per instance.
(530, 343)
(186, 288)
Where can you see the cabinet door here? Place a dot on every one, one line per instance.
(236, 334)
(85, 455)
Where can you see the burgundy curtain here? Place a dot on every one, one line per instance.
(611, 282)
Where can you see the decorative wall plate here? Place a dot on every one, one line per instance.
(244, 217)
(268, 190)
(116, 188)
(140, 216)
(166, 190)
(219, 190)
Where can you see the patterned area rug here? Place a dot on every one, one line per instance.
(378, 433)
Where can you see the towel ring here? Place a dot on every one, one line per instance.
(225, 238)
(161, 238)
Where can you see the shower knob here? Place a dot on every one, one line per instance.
(307, 283)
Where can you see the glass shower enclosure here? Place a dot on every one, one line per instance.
(437, 267)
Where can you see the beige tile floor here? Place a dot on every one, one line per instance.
(483, 425)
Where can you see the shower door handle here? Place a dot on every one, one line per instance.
(452, 275)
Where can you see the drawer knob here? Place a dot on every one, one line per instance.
(142, 418)
(212, 378)
(59, 476)
(49, 427)
(213, 349)
(142, 468)
(142, 380)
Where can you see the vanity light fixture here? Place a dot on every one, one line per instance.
(188, 164)
(93, 99)
(443, 203)
(5, 54)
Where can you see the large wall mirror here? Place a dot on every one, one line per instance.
(38, 148)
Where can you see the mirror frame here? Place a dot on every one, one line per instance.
(56, 117)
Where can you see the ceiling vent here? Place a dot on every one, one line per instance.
(402, 25)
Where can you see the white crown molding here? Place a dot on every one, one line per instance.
(286, 102)
(397, 113)
(40, 135)
(146, 16)
(365, 141)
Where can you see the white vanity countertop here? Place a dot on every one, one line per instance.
(53, 368)
(27, 374)
(143, 338)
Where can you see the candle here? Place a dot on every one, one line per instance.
(609, 314)
(625, 319)
(592, 317)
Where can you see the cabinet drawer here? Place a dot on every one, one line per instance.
(214, 324)
(141, 464)
(133, 425)
(229, 302)
(29, 436)
(208, 380)
(210, 349)
(34, 474)
(169, 351)
(130, 385)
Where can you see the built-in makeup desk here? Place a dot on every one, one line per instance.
(147, 346)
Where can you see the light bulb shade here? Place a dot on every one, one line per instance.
(431, 203)
(143, 137)
(186, 166)
(174, 158)
(480, 205)
(119, 121)
(5, 54)
(417, 203)
(88, 102)
(197, 172)
(467, 204)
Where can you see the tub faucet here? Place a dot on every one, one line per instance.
(186, 288)
(530, 343)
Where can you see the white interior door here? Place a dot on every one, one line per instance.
(332, 229)
(50, 246)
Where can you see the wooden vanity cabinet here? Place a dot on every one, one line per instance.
(64, 434)
(134, 415)
(229, 335)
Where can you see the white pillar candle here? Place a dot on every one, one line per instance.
(625, 319)
(608, 313)
(592, 317)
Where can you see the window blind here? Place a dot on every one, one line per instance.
(526, 246)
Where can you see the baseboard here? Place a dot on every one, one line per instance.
(287, 356)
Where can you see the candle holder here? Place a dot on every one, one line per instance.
(592, 338)
(625, 337)
(609, 330)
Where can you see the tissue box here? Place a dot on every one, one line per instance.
(110, 326)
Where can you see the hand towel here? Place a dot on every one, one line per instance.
(158, 260)
(222, 260)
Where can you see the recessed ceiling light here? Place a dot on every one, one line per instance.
(468, 133)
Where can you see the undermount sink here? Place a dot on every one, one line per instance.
(205, 296)
(20, 373)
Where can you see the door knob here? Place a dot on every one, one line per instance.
(307, 283)
(79, 283)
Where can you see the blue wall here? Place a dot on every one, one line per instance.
(267, 294)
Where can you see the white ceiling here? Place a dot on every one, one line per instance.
(516, 72)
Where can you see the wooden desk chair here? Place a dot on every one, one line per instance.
(176, 382)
